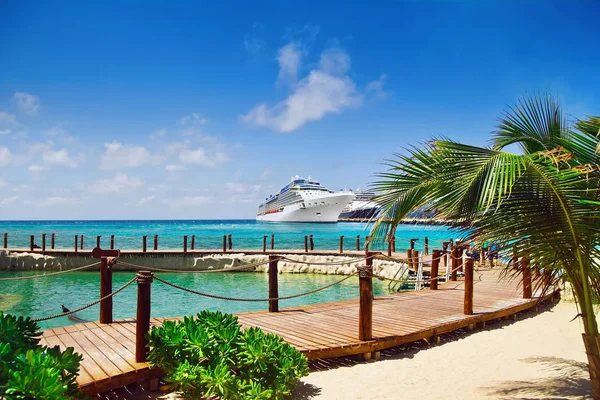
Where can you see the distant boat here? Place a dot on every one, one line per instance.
(362, 207)
(304, 200)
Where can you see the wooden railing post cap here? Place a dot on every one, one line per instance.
(144, 277)
(97, 252)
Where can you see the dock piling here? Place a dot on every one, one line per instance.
(527, 292)
(142, 325)
(76, 240)
(312, 243)
(264, 244)
(52, 241)
(468, 306)
(357, 242)
(106, 305)
(98, 241)
(31, 242)
(193, 244)
(44, 243)
(224, 243)
(185, 243)
(144, 242)
(81, 242)
(365, 311)
(305, 243)
(272, 242)
(435, 269)
(426, 241)
(5, 240)
(341, 244)
(112, 242)
(155, 242)
(229, 242)
(273, 284)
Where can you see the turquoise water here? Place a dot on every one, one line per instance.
(44, 296)
(246, 234)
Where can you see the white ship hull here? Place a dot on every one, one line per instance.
(313, 209)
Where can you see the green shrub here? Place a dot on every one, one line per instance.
(31, 371)
(210, 355)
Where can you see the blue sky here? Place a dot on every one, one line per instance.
(201, 109)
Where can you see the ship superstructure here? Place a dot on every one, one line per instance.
(361, 208)
(304, 200)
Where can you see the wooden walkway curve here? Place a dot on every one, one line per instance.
(323, 330)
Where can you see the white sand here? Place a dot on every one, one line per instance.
(538, 356)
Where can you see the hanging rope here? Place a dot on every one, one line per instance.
(86, 306)
(214, 296)
(203, 271)
(20, 278)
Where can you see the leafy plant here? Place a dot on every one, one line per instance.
(31, 371)
(209, 355)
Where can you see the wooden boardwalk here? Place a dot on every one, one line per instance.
(320, 331)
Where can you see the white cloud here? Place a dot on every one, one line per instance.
(119, 183)
(375, 87)
(187, 201)
(159, 134)
(2, 182)
(326, 89)
(174, 167)
(289, 57)
(54, 201)
(5, 156)
(200, 157)
(7, 200)
(28, 103)
(36, 168)
(60, 157)
(8, 119)
(193, 119)
(145, 200)
(119, 156)
(5, 131)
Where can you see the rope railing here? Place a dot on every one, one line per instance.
(67, 313)
(214, 296)
(20, 278)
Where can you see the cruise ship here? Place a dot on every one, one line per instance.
(361, 208)
(304, 200)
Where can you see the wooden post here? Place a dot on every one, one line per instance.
(43, 243)
(106, 305)
(412, 243)
(155, 242)
(357, 242)
(454, 263)
(31, 242)
(415, 257)
(426, 245)
(445, 252)
(98, 241)
(468, 309)
(142, 323)
(435, 269)
(144, 244)
(305, 244)
(81, 242)
(341, 244)
(264, 244)
(193, 244)
(527, 290)
(273, 287)
(312, 243)
(112, 242)
(229, 243)
(185, 243)
(365, 310)
(76, 243)
(224, 243)
(409, 258)
(52, 241)
(5, 240)
(272, 242)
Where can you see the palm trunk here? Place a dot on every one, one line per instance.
(592, 349)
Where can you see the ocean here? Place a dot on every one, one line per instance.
(246, 234)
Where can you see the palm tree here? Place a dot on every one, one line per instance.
(544, 201)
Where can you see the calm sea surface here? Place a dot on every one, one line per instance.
(246, 234)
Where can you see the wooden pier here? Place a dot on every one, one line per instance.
(319, 331)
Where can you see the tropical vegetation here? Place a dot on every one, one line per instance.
(535, 189)
(31, 371)
(211, 356)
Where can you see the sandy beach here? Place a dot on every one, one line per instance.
(539, 356)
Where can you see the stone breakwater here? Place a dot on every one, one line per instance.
(319, 264)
